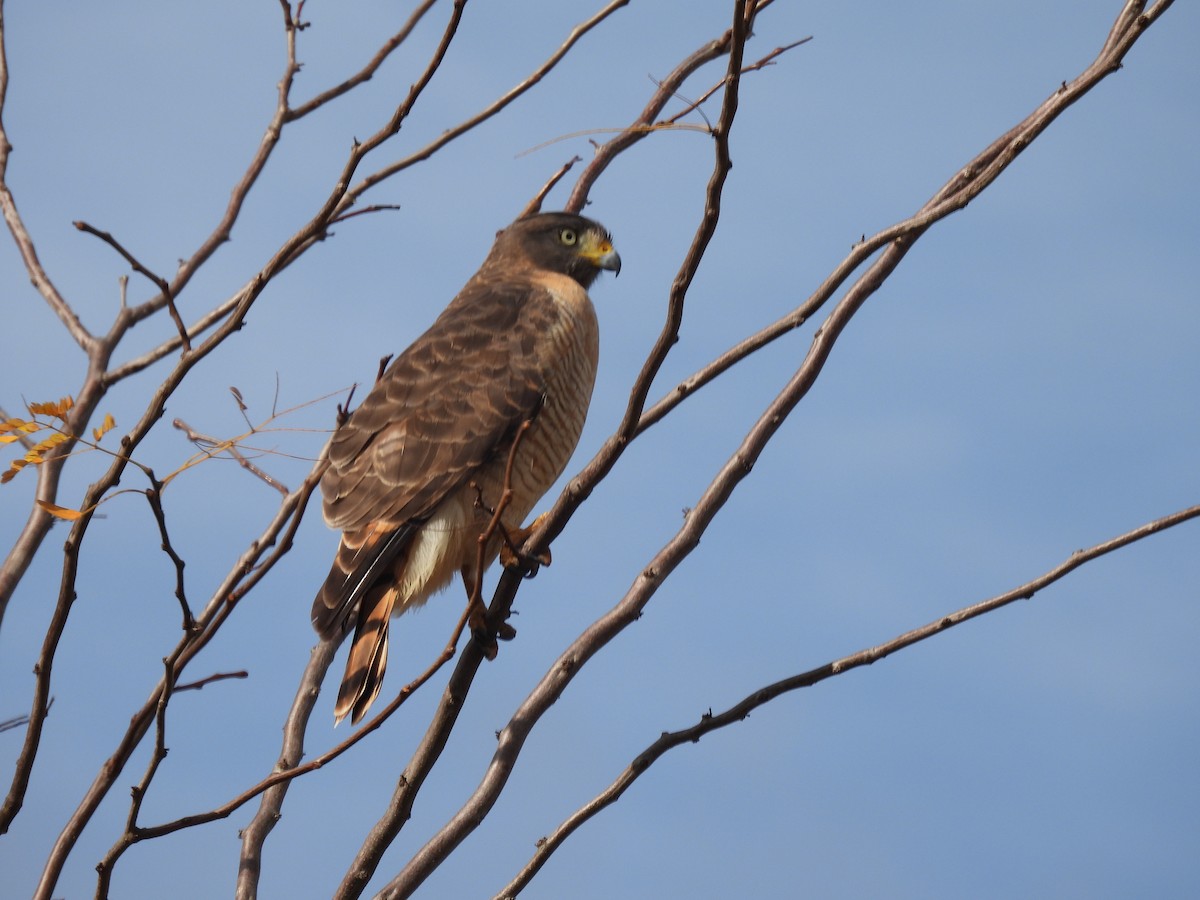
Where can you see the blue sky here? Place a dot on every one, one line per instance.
(1023, 386)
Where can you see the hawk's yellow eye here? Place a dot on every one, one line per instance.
(568, 237)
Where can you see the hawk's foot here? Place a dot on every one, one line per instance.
(511, 556)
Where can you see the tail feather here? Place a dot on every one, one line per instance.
(368, 656)
(364, 558)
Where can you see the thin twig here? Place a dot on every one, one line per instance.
(577, 33)
(207, 444)
(366, 210)
(158, 281)
(367, 71)
(270, 809)
(201, 683)
(104, 868)
(18, 721)
(768, 60)
(535, 205)
(154, 498)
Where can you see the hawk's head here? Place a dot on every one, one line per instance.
(561, 242)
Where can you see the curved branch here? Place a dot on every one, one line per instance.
(740, 710)
(367, 72)
(16, 226)
(270, 810)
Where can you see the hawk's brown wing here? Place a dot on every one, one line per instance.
(446, 406)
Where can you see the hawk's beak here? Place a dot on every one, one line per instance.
(600, 253)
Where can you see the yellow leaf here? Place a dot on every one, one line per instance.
(57, 409)
(14, 467)
(21, 426)
(35, 452)
(69, 514)
(106, 426)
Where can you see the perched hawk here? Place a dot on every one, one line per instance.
(416, 470)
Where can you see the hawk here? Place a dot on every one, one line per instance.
(416, 471)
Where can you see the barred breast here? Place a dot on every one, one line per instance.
(570, 347)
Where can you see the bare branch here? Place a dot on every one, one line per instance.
(16, 226)
(224, 228)
(18, 721)
(297, 722)
(366, 210)
(104, 868)
(644, 124)
(158, 281)
(496, 106)
(208, 444)
(477, 612)
(367, 71)
(201, 683)
(254, 835)
(534, 206)
(768, 60)
(154, 498)
(740, 710)
(254, 563)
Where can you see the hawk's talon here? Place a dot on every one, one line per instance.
(477, 617)
(511, 556)
(486, 641)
